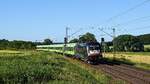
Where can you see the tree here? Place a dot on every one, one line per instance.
(145, 38)
(128, 43)
(74, 40)
(109, 43)
(88, 37)
(105, 47)
(4, 43)
(47, 42)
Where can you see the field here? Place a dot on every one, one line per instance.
(139, 59)
(44, 67)
(146, 46)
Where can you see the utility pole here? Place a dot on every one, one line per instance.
(114, 35)
(103, 45)
(67, 34)
(79, 39)
(66, 40)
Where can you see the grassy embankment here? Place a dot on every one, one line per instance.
(44, 67)
(138, 59)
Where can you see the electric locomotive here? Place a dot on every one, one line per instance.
(89, 52)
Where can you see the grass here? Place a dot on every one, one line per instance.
(97, 74)
(139, 59)
(29, 67)
(9, 51)
(136, 53)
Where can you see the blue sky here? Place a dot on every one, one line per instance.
(39, 19)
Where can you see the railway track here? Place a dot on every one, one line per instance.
(128, 73)
(125, 72)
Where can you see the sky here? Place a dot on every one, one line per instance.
(35, 20)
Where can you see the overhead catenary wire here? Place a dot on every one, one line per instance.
(141, 28)
(75, 32)
(127, 11)
(77, 36)
(131, 21)
(81, 29)
(105, 32)
(135, 29)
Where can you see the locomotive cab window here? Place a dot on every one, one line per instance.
(94, 47)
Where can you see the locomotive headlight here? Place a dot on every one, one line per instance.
(91, 52)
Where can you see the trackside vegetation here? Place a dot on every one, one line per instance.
(28, 67)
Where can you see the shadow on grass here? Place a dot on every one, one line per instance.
(115, 61)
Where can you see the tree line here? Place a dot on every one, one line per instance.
(145, 38)
(127, 43)
(15, 45)
(18, 44)
(122, 42)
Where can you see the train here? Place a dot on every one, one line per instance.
(89, 52)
